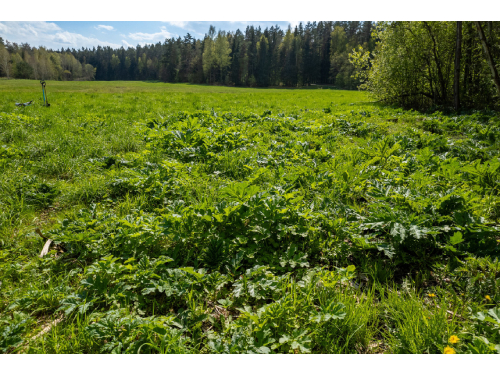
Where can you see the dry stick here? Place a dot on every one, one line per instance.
(39, 232)
(486, 48)
(47, 328)
(46, 247)
(48, 242)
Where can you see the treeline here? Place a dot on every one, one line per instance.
(314, 53)
(433, 64)
(25, 62)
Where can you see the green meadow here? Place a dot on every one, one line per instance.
(211, 219)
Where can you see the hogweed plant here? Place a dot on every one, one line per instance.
(197, 219)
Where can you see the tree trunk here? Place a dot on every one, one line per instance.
(458, 55)
(468, 58)
(442, 82)
(486, 48)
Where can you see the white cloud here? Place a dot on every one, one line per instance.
(181, 24)
(31, 29)
(48, 34)
(105, 27)
(3, 28)
(78, 40)
(185, 25)
(163, 34)
(47, 26)
(28, 28)
(38, 25)
(127, 44)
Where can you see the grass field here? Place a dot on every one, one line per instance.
(201, 219)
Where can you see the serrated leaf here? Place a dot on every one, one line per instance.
(387, 249)
(456, 238)
(495, 314)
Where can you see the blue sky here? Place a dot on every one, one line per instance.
(77, 34)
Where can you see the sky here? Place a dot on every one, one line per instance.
(78, 34)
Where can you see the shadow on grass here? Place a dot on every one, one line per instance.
(309, 87)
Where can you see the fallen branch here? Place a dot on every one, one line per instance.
(47, 328)
(48, 242)
(454, 314)
(39, 232)
(46, 247)
(24, 104)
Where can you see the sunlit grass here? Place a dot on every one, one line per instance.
(321, 163)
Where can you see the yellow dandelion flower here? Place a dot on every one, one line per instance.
(488, 298)
(432, 295)
(449, 350)
(454, 339)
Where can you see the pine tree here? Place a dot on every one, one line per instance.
(263, 62)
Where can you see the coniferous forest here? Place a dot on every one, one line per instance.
(314, 53)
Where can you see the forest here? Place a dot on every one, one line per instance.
(314, 53)
(25, 62)
(412, 64)
(425, 65)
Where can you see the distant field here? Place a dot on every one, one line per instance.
(158, 97)
(202, 219)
